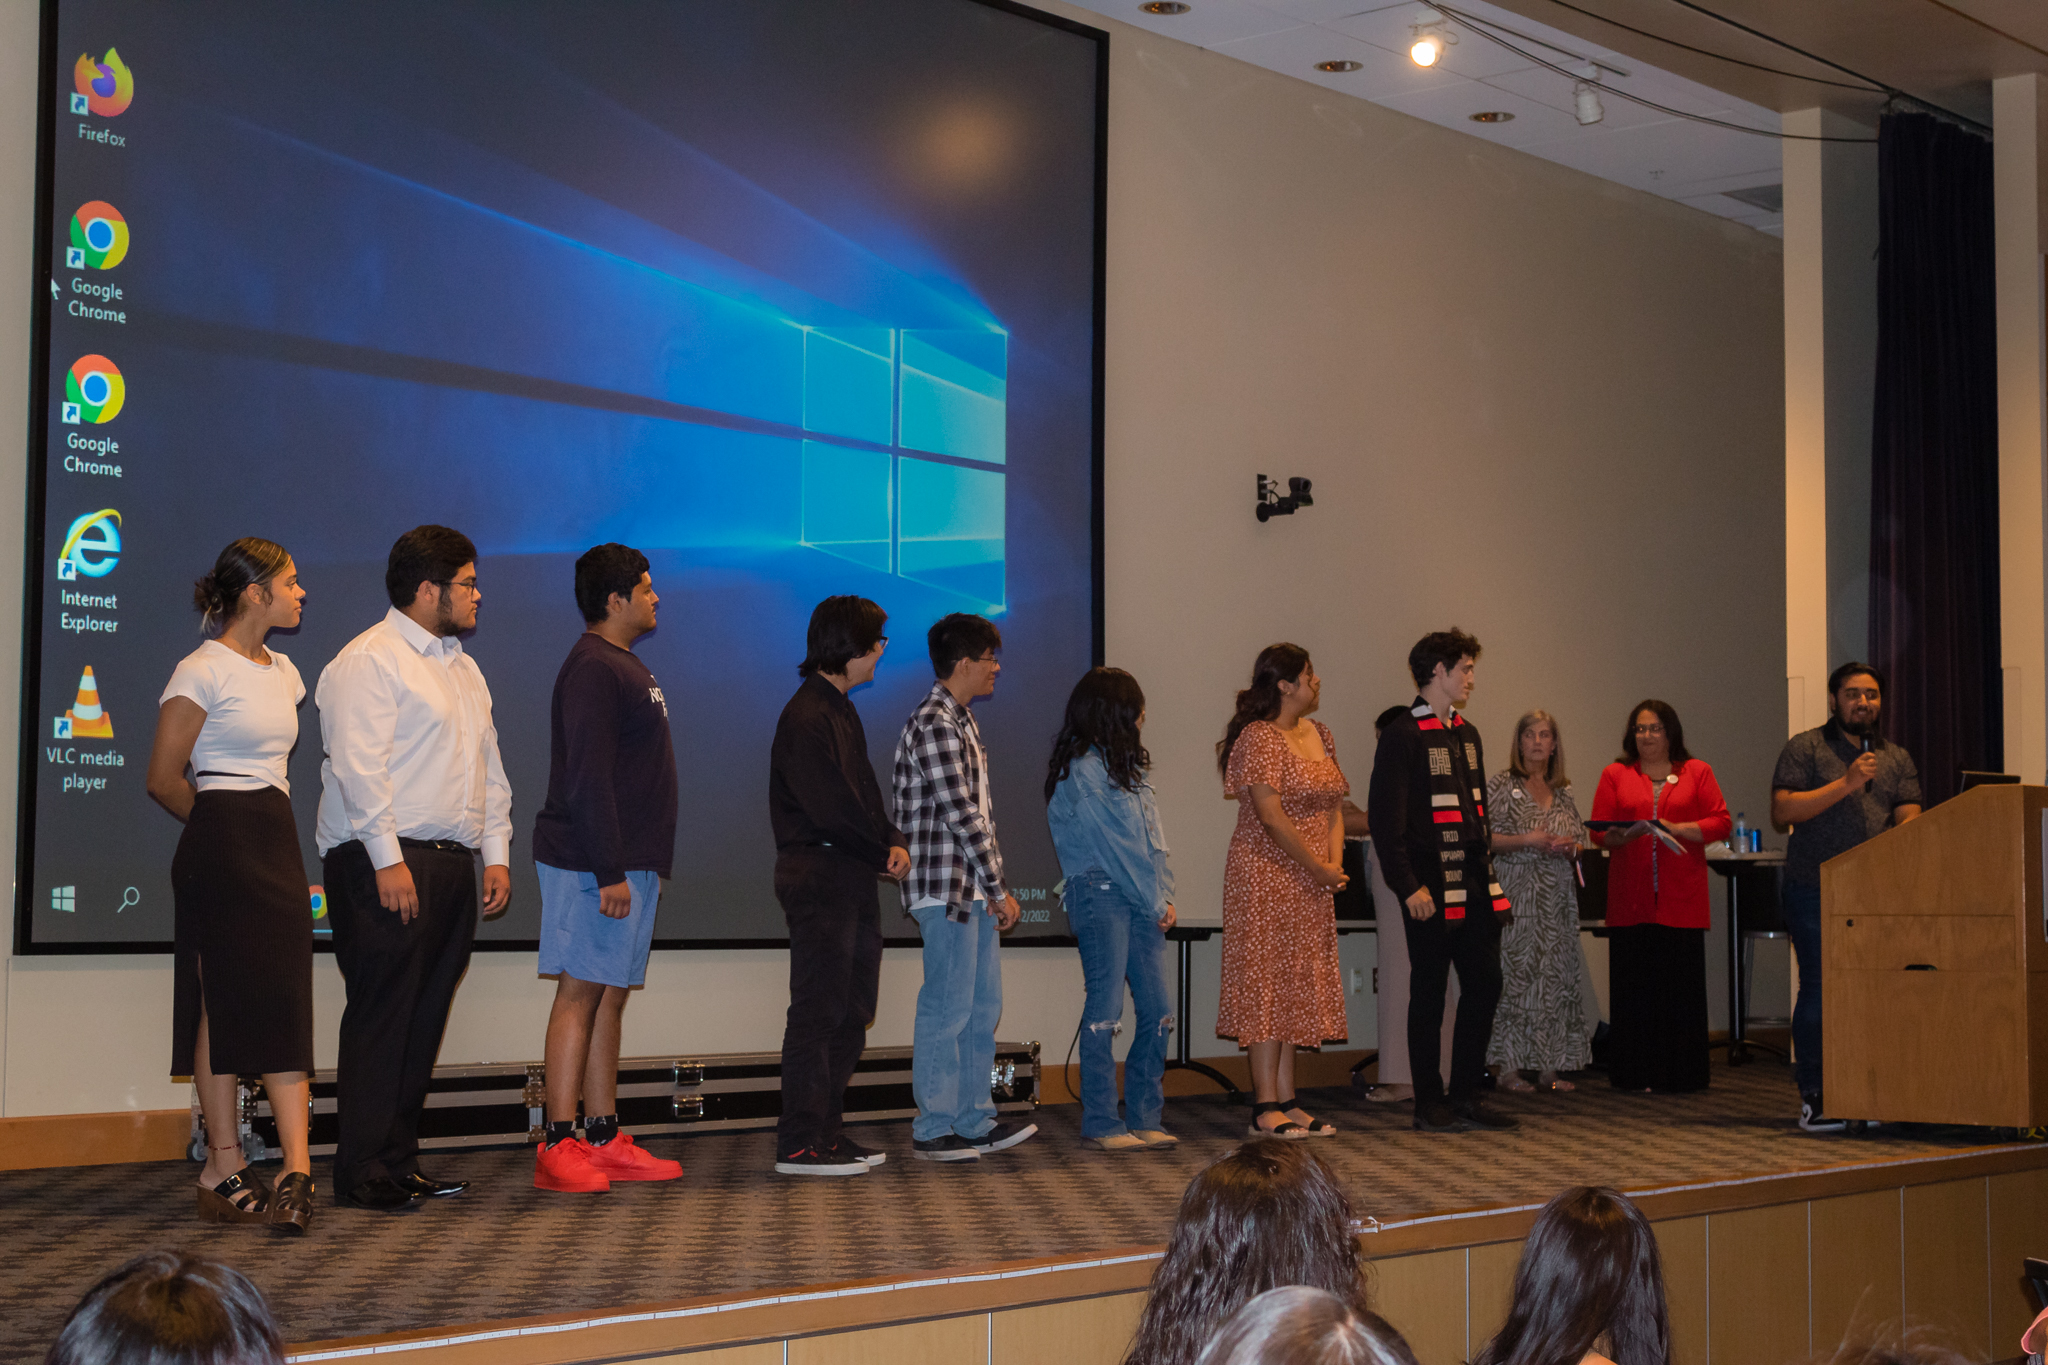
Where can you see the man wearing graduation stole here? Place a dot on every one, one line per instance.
(1428, 811)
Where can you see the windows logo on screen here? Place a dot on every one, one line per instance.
(99, 237)
(102, 87)
(93, 391)
(64, 898)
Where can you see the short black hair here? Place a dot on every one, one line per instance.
(165, 1306)
(963, 635)
(603, 570)
(842, 629)
(1444, 647)
(1674, 733)
(425, 554)
(1850, 670)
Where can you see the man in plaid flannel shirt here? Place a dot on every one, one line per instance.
(955, 892)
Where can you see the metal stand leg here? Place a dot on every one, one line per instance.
(1180, 1060)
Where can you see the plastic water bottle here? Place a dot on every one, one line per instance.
(1740, 841)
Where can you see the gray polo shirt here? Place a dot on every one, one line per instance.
(1814, 758)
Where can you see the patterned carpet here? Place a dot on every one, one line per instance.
(506, 1250)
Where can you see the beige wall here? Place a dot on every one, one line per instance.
(1535, 404)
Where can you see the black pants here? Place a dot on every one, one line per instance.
(1433, 949)
(401, 980)
(835, 975)
(1657, 985)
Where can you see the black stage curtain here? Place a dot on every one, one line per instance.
(1934, 452)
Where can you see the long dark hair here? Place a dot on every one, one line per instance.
(217, 596)
(1304, 1326)
(1674, 733)
(1102, 713)
(1276, 664)
(1589, 1271)
(1267, 1215)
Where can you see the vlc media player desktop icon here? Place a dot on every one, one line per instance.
(103, 87)
(99, 237)
(86, 719)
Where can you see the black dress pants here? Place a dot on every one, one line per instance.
(1433, 949)
(1657, 985)
(401, 981)
(834, 909)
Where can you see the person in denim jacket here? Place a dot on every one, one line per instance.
(1118, 893)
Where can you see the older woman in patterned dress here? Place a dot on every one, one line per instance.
(1281, 985)
(1540, 1024)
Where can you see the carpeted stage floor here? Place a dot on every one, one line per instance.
(506, 1250)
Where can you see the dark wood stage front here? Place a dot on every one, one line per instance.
(733, 1253)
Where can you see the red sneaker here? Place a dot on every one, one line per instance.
(567, 1167)
(624, 1159)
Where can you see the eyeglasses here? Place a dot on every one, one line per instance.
(881, 640)
(1649, 729)
(987, 658)
(467, 584)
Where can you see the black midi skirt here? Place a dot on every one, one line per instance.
(1657, 989)
(244, 936)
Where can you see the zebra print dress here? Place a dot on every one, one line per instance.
(1541, 1022)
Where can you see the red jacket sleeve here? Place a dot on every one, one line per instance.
(1713, 808)
(1606, 803)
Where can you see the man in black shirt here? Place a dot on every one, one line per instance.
(832, 840)
(1427, 805)
(604, 839)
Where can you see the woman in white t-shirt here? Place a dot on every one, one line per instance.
(244, 935)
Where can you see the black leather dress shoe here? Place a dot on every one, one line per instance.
(425, 1188)
(380, 1194)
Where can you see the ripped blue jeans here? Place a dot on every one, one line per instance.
(1119, 942)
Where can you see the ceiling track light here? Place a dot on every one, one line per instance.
(1586, 103)
(1429, 41)
(1163, 7)
(1340, 67)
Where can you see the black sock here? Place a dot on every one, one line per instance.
(560, 1130)
(601, 1129)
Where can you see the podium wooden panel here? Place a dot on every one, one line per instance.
(1934, 957)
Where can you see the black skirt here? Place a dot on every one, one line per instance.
(1657, 986)
(244, 936)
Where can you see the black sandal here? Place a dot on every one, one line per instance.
(1286, 1128)
(291, 1209)
(225, 1202)
(1315, 1126)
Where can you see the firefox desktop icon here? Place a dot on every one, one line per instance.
(104, 87)
(99, 237)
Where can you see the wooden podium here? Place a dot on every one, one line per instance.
(1934, 952)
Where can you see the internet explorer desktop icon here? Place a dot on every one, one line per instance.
(92, 547)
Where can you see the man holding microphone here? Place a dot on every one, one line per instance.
(1835, 787)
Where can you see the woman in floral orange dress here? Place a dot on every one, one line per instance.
(1281, 986)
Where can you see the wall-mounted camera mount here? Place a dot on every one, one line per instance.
(1272, 503)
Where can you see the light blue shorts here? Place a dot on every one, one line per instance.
(578, 939)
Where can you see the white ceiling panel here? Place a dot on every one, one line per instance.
(1296, 51)
(1646, 149)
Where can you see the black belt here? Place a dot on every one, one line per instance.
(438, 845)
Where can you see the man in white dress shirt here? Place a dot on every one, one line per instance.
(412, 790)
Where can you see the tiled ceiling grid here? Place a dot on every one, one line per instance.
(1658, 153)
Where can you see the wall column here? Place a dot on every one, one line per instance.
(2019, 115)
(1830, 367)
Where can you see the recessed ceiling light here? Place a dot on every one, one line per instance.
(1163, 7)
(1493, 116)
(1340, 66)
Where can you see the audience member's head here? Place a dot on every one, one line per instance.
(166, 1309)
(1269, 1214)
(1301, 1326)
(1590, 1281)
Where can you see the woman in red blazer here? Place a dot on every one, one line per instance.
(1657, 903)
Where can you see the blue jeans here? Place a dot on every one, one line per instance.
(1119, 942)
(953, 1051)
(1801, 908)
